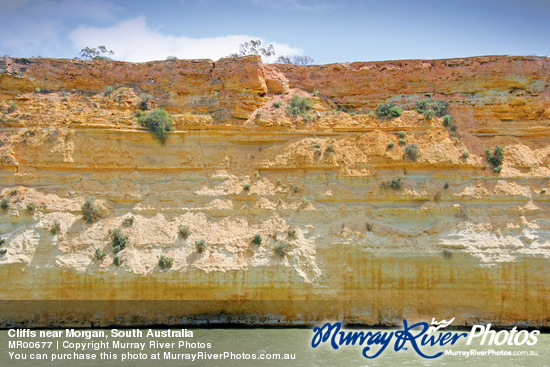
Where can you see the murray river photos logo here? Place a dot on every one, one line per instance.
(421, 337)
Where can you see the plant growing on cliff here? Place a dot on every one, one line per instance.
(55, 228)
(257, 239)
(438, 108)
(384, 109)
(128, 222)
(299, 106)
(117, 261)
(291, 233)
(276, 104)
(447, 120)
(495, 158)
(412, 152)
(394, 184)
(165, 262)
(184, 231)
(200, 245)
(118, 240)
(281, 248)
(2, 241)
(144, 102)
(159, 122)
(11, 107)
(5, 203)
(3, 251)
(90, 212)
(246, 187)
(391, 144)
(100, 254)
(31, 208)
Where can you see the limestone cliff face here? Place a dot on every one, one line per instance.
(455, 240)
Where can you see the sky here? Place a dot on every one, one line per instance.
(327, 31)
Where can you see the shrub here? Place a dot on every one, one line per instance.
(395, 184)
(201, 246)
(384, 109)
(496, 157)
(118, 240)
(391, 144)
(56, 227)
(5, 203)
(128, 222)
(446, 186)
(276, 104)
(402, 134)
(184, 231)
(299, 106)
(429, 114)
(291, 233)
(402, 141)
(12, 107)
(281, 248)
(465, 154)
(447, 119)
(144, 103)
(295, 188)
(159, 122)
(315, 93)
(330, 148)
(100, 254)
(2, 241)
(396, 111)
(165, 262)
(31, 208)
(439, 108)
(246, 187)
(3, 251)
(90, 212)
(257, 239)
(412, 152)
(117, 261)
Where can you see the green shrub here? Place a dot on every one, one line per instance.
(246, 187)
(497, 169)
(11, 107)
(299, 106)
(315, 93)
(396, 111)
(2, 241)
(276, 104)
(402, 134)
(118, 240)
(439, 108)
(3, 251)
(295, 189)
(281, 248)
(429, 114)
(117, 261)
(100, 254)
(384, 109)
(446, 186)
(496, 157)
(257, 239)
(165, 262)
(402, 141)
(159, 122)
(412, 152)
(395, 184)
(465, 154)
(31, 208)
(144, 102)
(56, 228)
(291, 233)
(200, 245)
(90, 212)
(5, 203)
(128, 222)
(184, 231)
(330, 148)
(447, 119)
(391, 144)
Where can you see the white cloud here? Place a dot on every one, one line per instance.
(133, 40)
(28, 26)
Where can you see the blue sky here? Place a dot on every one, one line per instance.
(328, 31)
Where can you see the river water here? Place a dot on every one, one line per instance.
(244, 345)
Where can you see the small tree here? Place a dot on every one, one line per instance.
(99, 53)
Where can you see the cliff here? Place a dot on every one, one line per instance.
(351, 227)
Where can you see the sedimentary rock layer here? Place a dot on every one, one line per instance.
(452, 238)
